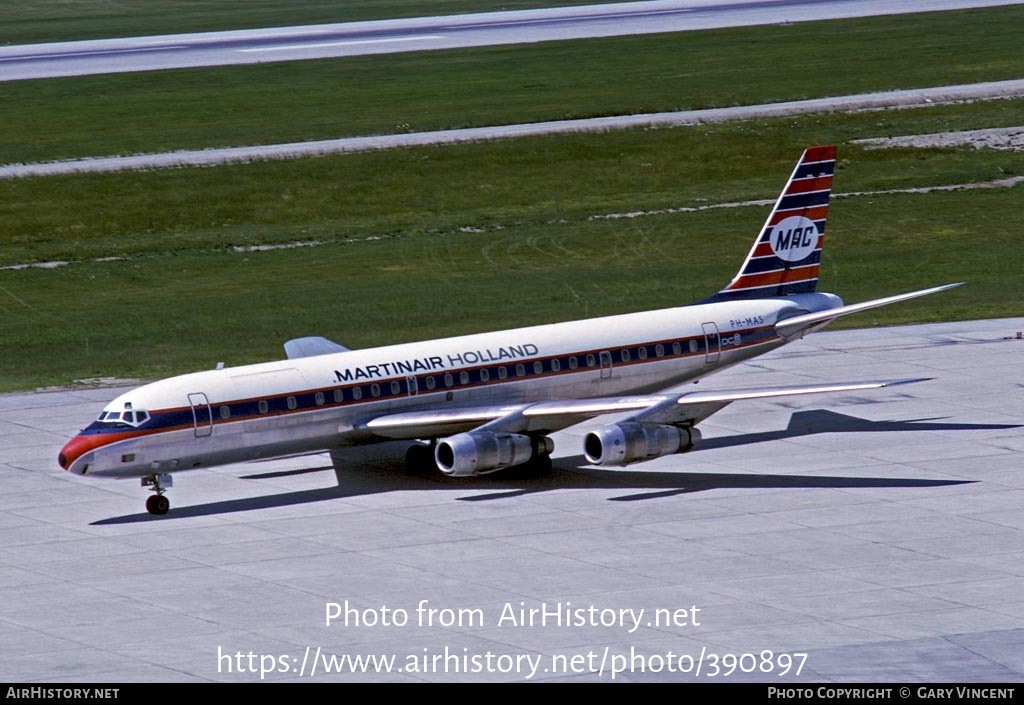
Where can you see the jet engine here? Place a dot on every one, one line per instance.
(481, 452)
(624, 443)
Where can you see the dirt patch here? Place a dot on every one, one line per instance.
(1003, 138)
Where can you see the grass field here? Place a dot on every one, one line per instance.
(296, 101)
(442, 263)
(426, 242)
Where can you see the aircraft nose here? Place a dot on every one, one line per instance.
(75, 449)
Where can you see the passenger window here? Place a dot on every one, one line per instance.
(374, 390)
(573, 363)
(556, 365)
(319, 398)
(225, 412)
(538, 367)
(520, 370)
(339, 395)
(485, 375)
(463, 378)
(677, 349)
(292, 402)
(591, 361)
(431, 382)
(357, 393)
(264, 407)
(693, 346)
(642, 353)
(502, 372)
(624, 355)
(396, 387)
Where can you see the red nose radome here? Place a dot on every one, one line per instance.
(76, 448)
(80, 445)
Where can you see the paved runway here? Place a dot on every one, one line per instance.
(428, 33)
(879, 533)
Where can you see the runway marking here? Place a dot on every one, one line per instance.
(354, 42)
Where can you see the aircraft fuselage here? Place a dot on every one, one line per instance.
(318, 403)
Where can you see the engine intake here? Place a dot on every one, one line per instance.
(480, 452)
(624, 443)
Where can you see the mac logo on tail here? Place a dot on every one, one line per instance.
(794, 238)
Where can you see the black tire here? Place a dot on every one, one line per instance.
(158, 505)
(420, 458)
(540, 466)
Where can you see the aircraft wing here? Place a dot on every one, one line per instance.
(550, 416)
(519, 418)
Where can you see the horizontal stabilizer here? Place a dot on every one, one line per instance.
(788, 326)
(311, 346)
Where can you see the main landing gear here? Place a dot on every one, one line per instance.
(420, 457)
(158, 504)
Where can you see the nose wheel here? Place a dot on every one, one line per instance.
(158, 504)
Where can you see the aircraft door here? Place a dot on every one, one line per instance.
(202, 417)
(712, 343)
(606, 364)
(412, 385)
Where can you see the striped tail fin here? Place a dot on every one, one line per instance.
(785, 257)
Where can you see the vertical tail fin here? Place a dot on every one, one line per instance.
(785, 257)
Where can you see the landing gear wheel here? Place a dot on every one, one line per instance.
(158, 504)
(420, 458)
(540, 466)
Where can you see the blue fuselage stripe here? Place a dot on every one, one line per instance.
(462, 378)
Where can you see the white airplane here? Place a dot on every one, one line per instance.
(476, 404)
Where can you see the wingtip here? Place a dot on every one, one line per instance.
(908, 380)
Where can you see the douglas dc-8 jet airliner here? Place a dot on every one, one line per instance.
(477, 404)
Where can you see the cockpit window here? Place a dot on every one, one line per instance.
(128, 418)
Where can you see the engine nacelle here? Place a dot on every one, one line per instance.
(624, 443)
(480, 452)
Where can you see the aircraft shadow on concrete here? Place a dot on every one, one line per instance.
(379, 476)
(809, 423)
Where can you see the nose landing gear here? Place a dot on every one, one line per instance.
(158, 504)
